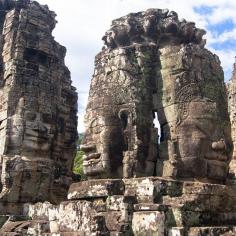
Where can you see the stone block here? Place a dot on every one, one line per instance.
(216, 231)
(148, 223)
(25, 228)
(96, 188)
(38, 227)
(176, 231)
(76, 216)
(205, 188)
(152, 189)
(116, 220)
(54, 227)
(41, 211)
(175, 217)
(144, 189)
(117, 203)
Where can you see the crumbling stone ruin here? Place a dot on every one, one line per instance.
(152, 66)
(155, 64)
(38, 109)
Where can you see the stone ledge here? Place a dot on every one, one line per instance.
(203, 231)
(113, 205)
(216, 231)
(147, 189)
(29, 227)
(96, 188)
(78, 233)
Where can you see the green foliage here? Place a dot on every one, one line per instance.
(78, 162)
(80, 138)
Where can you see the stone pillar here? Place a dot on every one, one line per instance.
(38, 108)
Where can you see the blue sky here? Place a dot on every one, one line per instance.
(82, 23)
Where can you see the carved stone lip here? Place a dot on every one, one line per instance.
(91, 156)
(217, 157)
(91, 162)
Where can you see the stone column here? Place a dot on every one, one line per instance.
(38, 107)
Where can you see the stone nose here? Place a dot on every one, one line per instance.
(87, 147)
(91, 156)
(218, 145)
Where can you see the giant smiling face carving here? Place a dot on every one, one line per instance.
(103, 145)
(202, 142)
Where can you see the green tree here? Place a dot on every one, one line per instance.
(78, 162)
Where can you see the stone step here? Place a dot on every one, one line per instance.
(15, 217)
(12, 218)
(185, 218)
(64, 234)
(203, 231)
(79, 233)
(96, 188)
(30, 227)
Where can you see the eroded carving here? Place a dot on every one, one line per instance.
(154, 64)
(38, 107)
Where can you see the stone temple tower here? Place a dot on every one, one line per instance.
(38, 108)
(153, 64)
(231, 87)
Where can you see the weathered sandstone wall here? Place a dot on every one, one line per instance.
(38, 107)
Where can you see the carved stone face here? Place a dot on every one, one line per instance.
(103, 146)
(202, 142)
(37, 136)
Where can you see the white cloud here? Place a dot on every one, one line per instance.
(222, 13)
(82, 101)
(82, 23)
(226, 36)
(227, 58)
